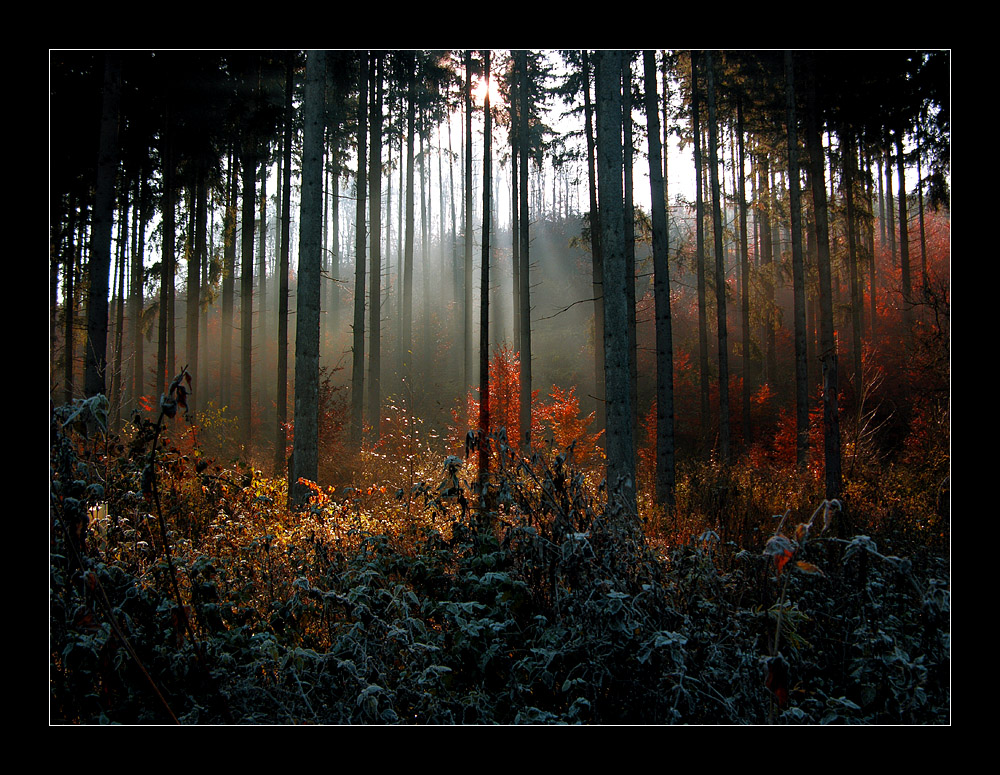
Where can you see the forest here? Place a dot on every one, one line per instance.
(499, 387)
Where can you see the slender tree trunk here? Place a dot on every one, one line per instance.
(904, 244)
(798, 270)
(595, 251)
(872, 289)
(848, 157)
(524, 294)
(920, 205)
(620, 450)
(228, 288)
(164, 361)
(745, 284)
(629, 207)
(249, 167)
(828, 345)
(665, 478)
(305, 451)
(484, 294)
(406, 344)
(720, 265)
(262, 327)
(515, 216)
(95, 358)
(358, 369)
(136, 296)
(198, 258)
(335, 305)
(281, 419)
(469, 303)
(700, 247)
(375, 270)
(69, 304)
(117, 384)
(890, 207)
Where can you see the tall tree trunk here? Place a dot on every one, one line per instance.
(629, 208)
(262, 327)
(281, 419)
(469, 294)
(665, 478)
(305, 451)
(595, 250)
(484, 293)
(516, 108)
(375, 270)
(720, 264)
(118, 383)
(848, 158)
(164, 361)
(95, 358)
(828, 344)
(228, 287)
(335, 283)
(700, 247)
(904, 244)
(406, 343)
(767, 267)
(889, 206)
(136, 295)
(73, 242)
(524, 295)
(620, 450)
(745, 276)
(358, 368)
(198, 258)
(798, 271)
(249, 168)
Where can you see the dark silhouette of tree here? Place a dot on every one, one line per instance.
(101, 228)
(620, 450)
(375, 268)
(665, 478)
(720, 267)
(360, 241)
(798, 270)
(484, 290)
(305, 454)
(281, 418)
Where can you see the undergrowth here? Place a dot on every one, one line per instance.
(183, 591)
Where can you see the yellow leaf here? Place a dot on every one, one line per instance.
(808, 567)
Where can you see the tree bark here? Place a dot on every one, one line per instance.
(665, 478)
(95, 358)
(249, 167)
(361, 187)
(469, 290)
(798, 271)
(720, 265)
(484, 294)
(305, 451)
(375, 267)
(595, 251)
(524, 294)
(620, 451)
(700, 247)
(828, 345)
(281, 419)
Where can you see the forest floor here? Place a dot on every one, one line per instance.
(185, 591)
